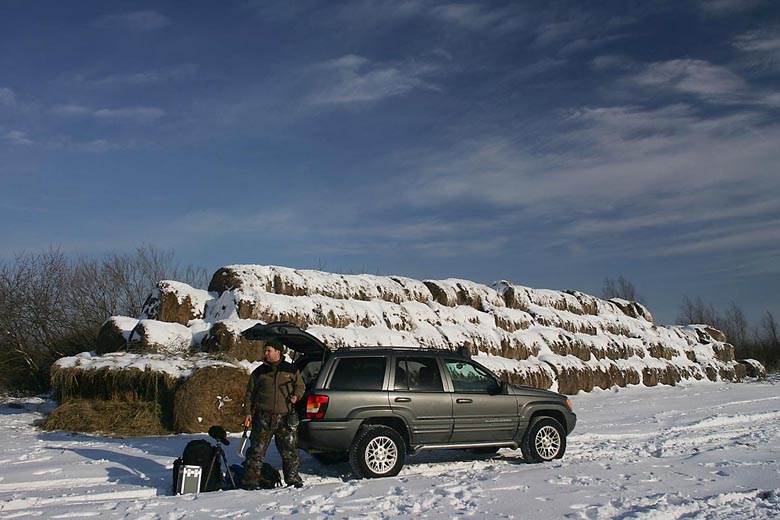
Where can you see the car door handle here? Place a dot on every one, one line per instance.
(461, 400)
(403, 399)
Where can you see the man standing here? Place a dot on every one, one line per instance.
(273, 389)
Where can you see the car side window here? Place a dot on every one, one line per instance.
(359, 373)
(469, 378)
(417, 374)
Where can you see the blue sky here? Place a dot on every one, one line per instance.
(551, 144)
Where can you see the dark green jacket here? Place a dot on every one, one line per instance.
(270, 387)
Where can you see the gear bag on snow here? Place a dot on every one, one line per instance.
(200, 453)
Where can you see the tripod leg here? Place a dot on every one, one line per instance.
(227, 467)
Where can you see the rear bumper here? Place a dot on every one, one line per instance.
(316, 436)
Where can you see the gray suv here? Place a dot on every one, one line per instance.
(374, 406)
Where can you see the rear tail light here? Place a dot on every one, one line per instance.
(316, 406)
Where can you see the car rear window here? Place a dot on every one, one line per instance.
(359, 373)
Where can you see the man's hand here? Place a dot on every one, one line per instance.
(294, 399)
(248, 421)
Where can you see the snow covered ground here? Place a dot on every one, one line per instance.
(698, 450)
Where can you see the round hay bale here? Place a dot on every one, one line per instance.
(229, 344)
(225, 279)
(212, 395)
(753, 368)
(113, 334)
(108, 417)
(110, 338)
(715, 334)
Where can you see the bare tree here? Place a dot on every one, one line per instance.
(620, 288)
(734, 324)
(768, 337)
(696, 311)
(51, 306)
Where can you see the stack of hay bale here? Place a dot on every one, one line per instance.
(565, 341)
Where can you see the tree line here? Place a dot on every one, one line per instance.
(761, 342)
(53, 306)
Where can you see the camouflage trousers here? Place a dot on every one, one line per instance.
(264, 427)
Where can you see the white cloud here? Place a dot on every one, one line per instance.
(761, 40)
(72, 109)
(478, 17)
(761, 49)
(146, 77)
(727, 7)
(7, 97)
(130, 114)
(355, 79)
(711, 82)
(137, 21)
(16, 137)
(127, 114)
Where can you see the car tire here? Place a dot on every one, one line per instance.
(331, 457)
(378, 451)
(545, 440)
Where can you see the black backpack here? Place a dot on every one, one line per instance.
(200, 453)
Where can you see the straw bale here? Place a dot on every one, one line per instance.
(555, 300)
(515, 296)
(442, 293)
(163, 337)
(511, 320)
(323, 310)
(211, 395)
(452, 292)
(632, 309)
(723, 351)
(513, 347)
(108, 417)
(175, 302)
(587, 302)
(295, 282)
(539, 378)
(228, 343)
(715, 334)
(661, 351)
(574, 377)
(113, 334)
(753, 368)
(106, 384)
(565, 345)
(129, 384)
(667, 374)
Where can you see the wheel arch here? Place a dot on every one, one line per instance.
(395, 423)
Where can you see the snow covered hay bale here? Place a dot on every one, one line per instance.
(175, 302)
(141, 398)
(225, 340)
(572, 374)
(114, 333)
(163, 338)
(453, 292)
(753, 368)
(302, 282)
(212, 395)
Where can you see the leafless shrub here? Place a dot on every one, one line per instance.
(52, 306)
(621, 288)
